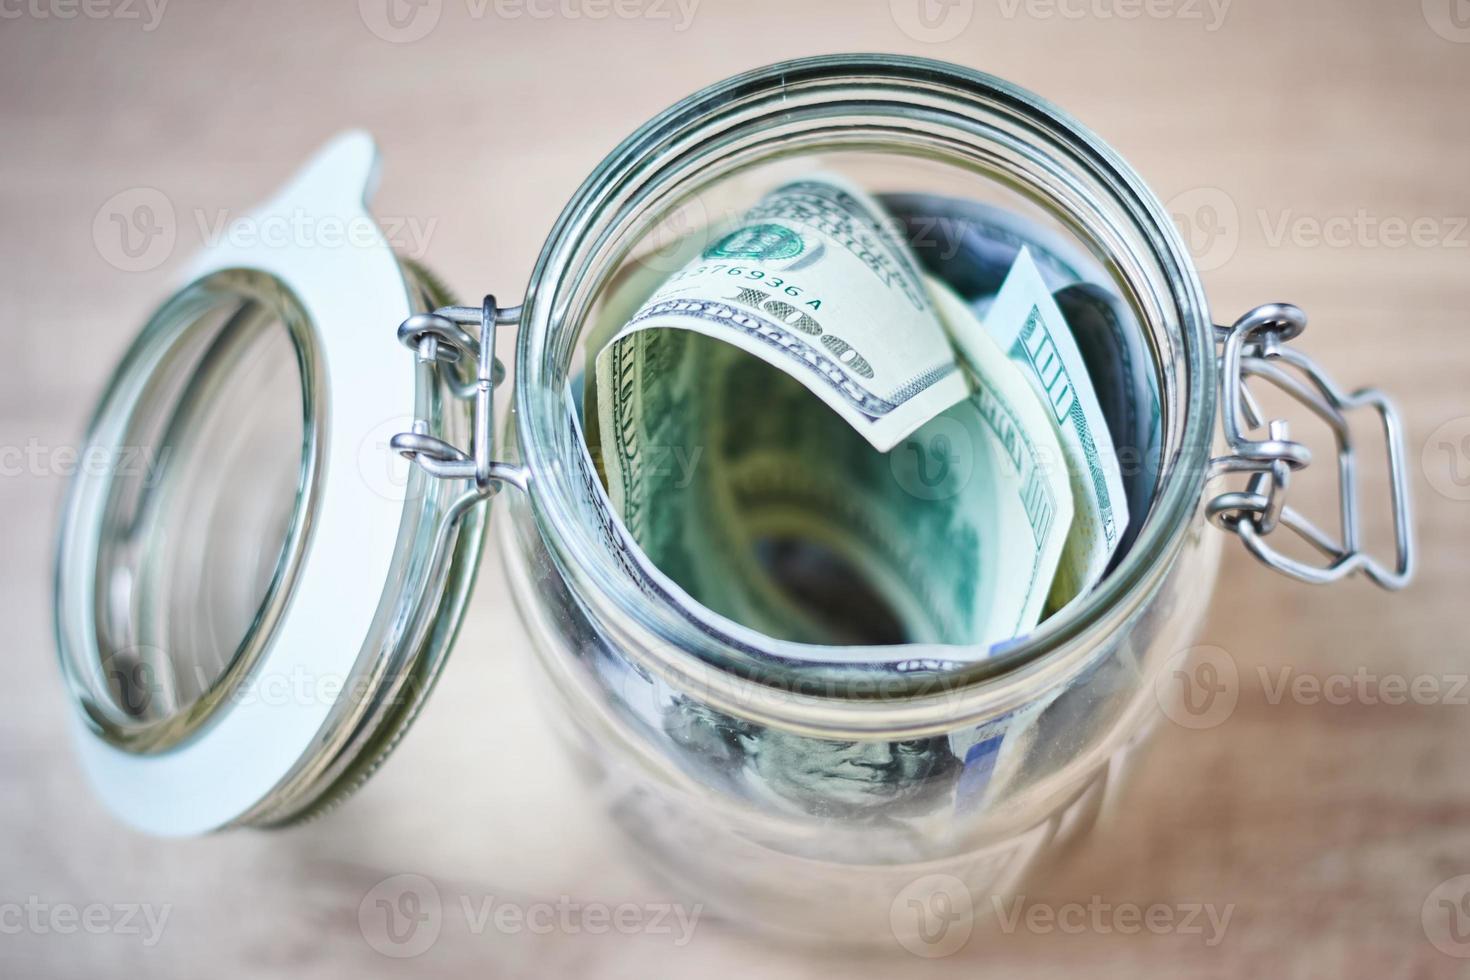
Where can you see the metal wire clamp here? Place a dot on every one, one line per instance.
(1255, 347)
(441, 336)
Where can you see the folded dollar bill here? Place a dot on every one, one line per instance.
(815, 282)
(972, 245)
(1025, 322)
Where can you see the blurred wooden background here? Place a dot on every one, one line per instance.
(1329, 141)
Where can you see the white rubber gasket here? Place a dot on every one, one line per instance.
(317, 238)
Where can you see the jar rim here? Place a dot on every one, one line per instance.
(664, 636)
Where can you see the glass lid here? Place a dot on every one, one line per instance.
(248, 613)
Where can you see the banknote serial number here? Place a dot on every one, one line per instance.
(745, 272)
(768, 295)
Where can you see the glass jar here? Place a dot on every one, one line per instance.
(800, 796)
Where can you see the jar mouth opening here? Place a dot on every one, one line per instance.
(929, 114)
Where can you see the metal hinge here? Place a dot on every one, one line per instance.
(440, 336)
(1255, 347)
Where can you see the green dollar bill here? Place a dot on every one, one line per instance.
(955, 534)
(1025, 322)
(815, 282)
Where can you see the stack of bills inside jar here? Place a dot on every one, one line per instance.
(896, 431)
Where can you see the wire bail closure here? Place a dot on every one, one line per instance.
(1255, 347)
(441, 337)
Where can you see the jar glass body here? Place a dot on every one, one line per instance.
(794, 796)
(691, 787)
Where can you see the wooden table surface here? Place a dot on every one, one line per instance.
(1330, 141)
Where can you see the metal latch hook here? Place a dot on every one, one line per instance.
(440, 336)
(1256, 347)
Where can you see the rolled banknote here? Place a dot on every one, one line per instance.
(951, 539)
(742, 484)
(813, 252)
(955, 534)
